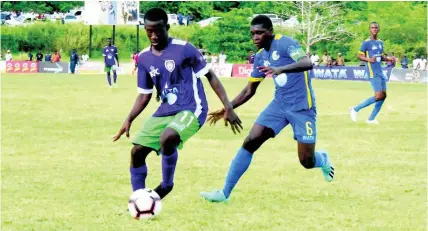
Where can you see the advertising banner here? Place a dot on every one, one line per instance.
(344, 73)
(59, 67)
(222, 70)
(242, 70)
(409, 75)
(21, 67)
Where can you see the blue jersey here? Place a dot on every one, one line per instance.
(292, 90)
(373, 48)
(109, 53)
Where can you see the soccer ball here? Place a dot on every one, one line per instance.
(145, 204)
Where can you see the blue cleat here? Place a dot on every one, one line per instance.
(327, 169)
(214, 196)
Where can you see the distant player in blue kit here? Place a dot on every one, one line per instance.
(110, 60)
(294, 103)
(174, 67)
(371, 51)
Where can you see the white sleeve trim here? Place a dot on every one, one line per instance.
(204, 71)
(145, 91)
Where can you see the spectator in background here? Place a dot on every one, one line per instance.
(135, 61)
(416, 63)
(39, 56)
(423, 63)
(340, 60)
(8, 56)
(326, 59)
(48, 57)
(315, 59)
(74, 60)
(30, 56)
(222, 58)
(180, 19)
(214, 58)
(56, 57)
(251, 57)
(188, 18)
(404, 62)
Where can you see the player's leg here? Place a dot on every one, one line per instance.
(367, 102)
(270, 122)
(305, 133)
(114, 77)
(138, 168)
(380, 97)
(182, 126)
(107, 69)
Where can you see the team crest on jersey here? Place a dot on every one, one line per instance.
(275, 55)
(374, 48)
(170, 65)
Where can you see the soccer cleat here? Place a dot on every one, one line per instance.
(328, 169)
(354, 114)
(214, 196)
(372, 122)
(110, 87)
(115, 85)
(163, 191)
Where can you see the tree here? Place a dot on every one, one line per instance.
(321, 21)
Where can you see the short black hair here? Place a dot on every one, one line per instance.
(262, 20)
(156, 14)
(374, 23)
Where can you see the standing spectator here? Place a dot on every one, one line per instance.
(135, 61)
(423, 63)
(416, 63)
(180, 19)
(340, 60)
(39, 56)
(48, 57)
(188, 18)
(74, 60)
(326, 59)
(56, 57)
(214, 58)
(251, 57)
(8, 56)
(222, 58)
(404, 62)
(30, 56)
(315, 59)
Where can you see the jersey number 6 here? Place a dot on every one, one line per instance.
(309, 130)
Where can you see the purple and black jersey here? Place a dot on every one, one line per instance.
(109, 53)
(176, 75)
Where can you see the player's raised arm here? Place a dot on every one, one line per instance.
(145, 90)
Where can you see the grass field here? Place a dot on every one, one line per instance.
(60, 170)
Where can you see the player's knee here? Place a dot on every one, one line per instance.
(251, 143)
(307, 162)
(138, 155)
(169, 140)
(380, 96)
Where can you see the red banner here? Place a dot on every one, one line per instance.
(242, 70)
(22, 67)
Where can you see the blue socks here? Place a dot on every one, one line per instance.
(138, 177)
(365, 103)
(320, 159)
(168, 169)
(237, 168)
(114, 76)
(109, 79)
(376, 109)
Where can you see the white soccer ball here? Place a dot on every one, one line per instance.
(144, 204)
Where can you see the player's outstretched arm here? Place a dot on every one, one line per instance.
(140, 103)
(229, 114)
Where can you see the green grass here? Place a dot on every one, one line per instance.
(60, 170)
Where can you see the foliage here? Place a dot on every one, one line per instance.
(41, 6)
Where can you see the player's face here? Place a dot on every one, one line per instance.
(108, 42)
(157, 32)
(260, 35)
(374, 29)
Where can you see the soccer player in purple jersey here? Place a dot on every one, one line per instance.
(174, 68)
(110, 60)
(293, 104)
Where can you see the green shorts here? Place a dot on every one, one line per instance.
(185, 123)
(110, 68)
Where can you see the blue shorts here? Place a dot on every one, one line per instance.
(303, 122)
(378, 83)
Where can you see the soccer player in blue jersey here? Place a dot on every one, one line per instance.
(371, 51)
(110, 60)
(294, 104)
(174, 68)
